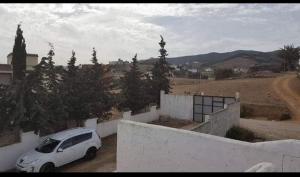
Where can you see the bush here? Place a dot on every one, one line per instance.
(285, 116)
(246, 111)
(241, 134)
(223, 73)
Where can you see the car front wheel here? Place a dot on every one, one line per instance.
(48, 167)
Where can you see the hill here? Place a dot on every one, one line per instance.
(238, 58)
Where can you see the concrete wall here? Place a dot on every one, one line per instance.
(176, 106)
(105, 129)
(150, 116)
(221, 121)
(152, 148)
(9, 154)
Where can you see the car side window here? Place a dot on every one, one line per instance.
(81, 138)
(67, 143)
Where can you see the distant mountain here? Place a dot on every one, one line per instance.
(238, 58)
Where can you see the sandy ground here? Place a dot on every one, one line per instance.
(174, 123)
(272, 130)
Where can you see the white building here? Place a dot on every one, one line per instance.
(31, 60)
(193, 70)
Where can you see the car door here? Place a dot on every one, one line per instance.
(68, 153)
(81, 144)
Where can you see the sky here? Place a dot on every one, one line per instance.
(121, 30)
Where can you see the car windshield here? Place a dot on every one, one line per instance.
(47, 145)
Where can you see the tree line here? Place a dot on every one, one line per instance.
(47, 97)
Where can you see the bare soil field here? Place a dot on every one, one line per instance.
(252, 90)
(173, 123)
(268, 98)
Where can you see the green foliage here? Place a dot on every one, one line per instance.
(97, 86)
(74, 91)
(241, 134)
(19, 56)
(246, 111)
(132, 94)
(290, 56)
(160, 75)
(223, 73)
(46, 111)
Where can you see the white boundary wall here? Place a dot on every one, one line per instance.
(176, 106)
(143, 117)
(218, 123)
(9, 154)
(152, 148)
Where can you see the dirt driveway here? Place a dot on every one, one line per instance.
(104, 162)
(283, 86)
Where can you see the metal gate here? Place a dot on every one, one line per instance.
(205, 105)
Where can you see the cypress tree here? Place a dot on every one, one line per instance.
(100, 84)
(132, 88)
(36, 99)
(74, 92)
(160, 74)
(12, 105)
(19, 56)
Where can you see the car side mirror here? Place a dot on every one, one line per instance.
(60, 150)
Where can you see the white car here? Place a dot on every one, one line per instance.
(59, 149)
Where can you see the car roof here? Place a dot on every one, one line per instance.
(70, 133)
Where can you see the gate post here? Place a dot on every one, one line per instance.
(206, 118)
(237, 96)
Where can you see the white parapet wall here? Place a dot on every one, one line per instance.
(176, 106)
(152, 148)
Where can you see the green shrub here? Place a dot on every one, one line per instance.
(246, 111)
(241, 134)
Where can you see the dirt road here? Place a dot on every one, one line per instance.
(282, 87)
